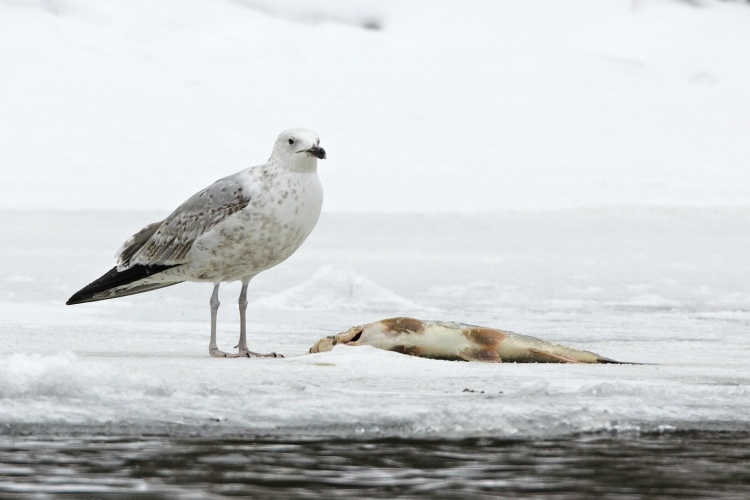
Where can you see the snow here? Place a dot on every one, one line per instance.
(447, 107)
(575, 171)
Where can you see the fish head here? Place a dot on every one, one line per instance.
(348, 337)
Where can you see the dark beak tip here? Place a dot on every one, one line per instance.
(320, 153)
(317, 152)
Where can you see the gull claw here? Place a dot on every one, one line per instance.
(243, 353)
(251, 354)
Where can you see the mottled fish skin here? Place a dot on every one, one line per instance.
(457, 341)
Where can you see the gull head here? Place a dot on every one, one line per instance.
(299, 148)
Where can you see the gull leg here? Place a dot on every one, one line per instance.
(243, 350)
(213, 348)
(243, 315)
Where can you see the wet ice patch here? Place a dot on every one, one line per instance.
(333, 288)
(736, 315)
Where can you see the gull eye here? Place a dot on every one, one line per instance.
(291, 141)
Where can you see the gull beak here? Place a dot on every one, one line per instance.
(317, 152)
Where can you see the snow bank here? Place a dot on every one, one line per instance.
(332, 288)
(421, 106)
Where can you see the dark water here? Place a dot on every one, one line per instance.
(689, 465)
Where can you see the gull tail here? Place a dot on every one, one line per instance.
(116, 283)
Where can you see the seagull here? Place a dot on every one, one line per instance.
(232, 230)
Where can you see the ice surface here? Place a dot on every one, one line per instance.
(528, 117)
(666, 287)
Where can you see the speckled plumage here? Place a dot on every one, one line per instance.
(232, 230)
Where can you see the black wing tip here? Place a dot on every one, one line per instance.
(80, 298)
(114, 278)
(86, 294)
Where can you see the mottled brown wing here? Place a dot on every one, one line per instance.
(135, 242)
(168, 242)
